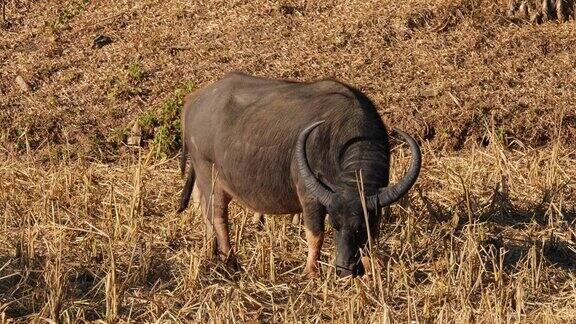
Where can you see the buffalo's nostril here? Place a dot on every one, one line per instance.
(344, 272)
(360, 270)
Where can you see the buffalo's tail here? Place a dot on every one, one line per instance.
(183, 159)
(187, 191)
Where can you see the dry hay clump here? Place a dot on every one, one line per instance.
(486, 237)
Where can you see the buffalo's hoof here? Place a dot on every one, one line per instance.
(232, 263)
(311, 273)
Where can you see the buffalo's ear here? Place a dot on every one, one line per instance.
(372, 203)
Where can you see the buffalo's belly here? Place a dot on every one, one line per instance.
(260, 196)
(259, 182)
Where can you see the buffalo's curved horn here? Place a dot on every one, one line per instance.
(313, 186)
(389, 195)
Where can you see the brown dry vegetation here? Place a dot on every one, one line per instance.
(88, 229)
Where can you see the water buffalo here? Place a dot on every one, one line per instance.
(285, 147)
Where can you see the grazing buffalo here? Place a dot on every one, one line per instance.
(284, 147)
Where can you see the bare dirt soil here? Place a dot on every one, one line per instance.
(88, 229)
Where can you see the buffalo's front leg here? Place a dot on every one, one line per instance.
(314, 241)
(314, 228)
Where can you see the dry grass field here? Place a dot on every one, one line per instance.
(88, 229)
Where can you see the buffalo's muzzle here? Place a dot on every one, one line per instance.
(351, 270)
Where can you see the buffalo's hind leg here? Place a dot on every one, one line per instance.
(196, 197)
(209, 237)
(215, 211)
(258, 219)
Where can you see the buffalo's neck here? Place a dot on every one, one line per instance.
(364, 160)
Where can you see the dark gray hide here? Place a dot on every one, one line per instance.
(282, 147)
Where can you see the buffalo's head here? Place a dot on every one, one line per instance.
(350, 212)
